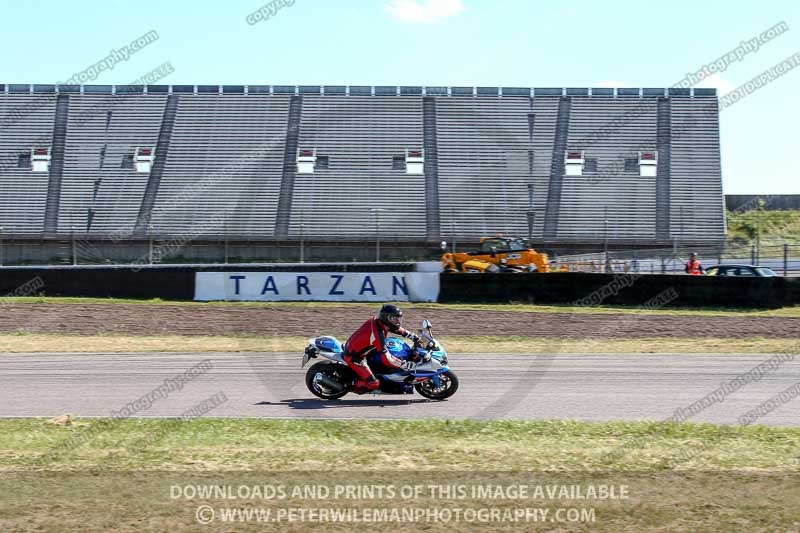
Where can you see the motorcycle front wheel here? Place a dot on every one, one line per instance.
(448, 387)
(332, 371)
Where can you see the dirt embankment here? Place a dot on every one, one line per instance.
(94, 319)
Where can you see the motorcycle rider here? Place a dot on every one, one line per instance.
(371, 336)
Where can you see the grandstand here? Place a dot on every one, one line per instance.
(342, 166)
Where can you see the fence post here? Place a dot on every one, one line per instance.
(74, 248)
(785, 260)
(302, 245)
(752, 255)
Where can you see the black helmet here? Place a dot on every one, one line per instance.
(391, 316)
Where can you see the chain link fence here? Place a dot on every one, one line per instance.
(784, 259)
(78, 251)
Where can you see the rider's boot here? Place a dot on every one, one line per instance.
(364, 386)
(366, 379)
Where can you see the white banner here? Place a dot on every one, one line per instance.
(318, 286)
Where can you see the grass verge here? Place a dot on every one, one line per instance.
(137, 473)
(222, 444)
(37, 343)
(786, 312)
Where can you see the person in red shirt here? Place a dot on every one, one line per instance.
(694, 267)
(371, 336)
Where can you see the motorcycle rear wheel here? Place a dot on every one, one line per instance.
(448, 388)
(331, 370)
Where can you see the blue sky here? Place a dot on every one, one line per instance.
(440, 42)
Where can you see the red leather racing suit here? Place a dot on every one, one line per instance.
(369, 337)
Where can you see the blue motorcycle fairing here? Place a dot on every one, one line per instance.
(329, 344)
(402, 350)
(396, 347)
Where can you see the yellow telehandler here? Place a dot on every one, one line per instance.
(499, 254)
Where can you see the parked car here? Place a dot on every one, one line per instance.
(740, 270)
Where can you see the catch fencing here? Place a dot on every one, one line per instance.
(784, 259)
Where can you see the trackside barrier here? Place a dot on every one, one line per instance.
(619, 289)
(314, 282)
(305, 282)
(318, 286)
(167, 283)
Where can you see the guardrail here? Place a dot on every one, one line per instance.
(579, 288)
(149, 281)
(574, 288)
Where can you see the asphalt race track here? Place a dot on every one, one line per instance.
(581, 387)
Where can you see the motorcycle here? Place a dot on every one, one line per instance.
(431, 377)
